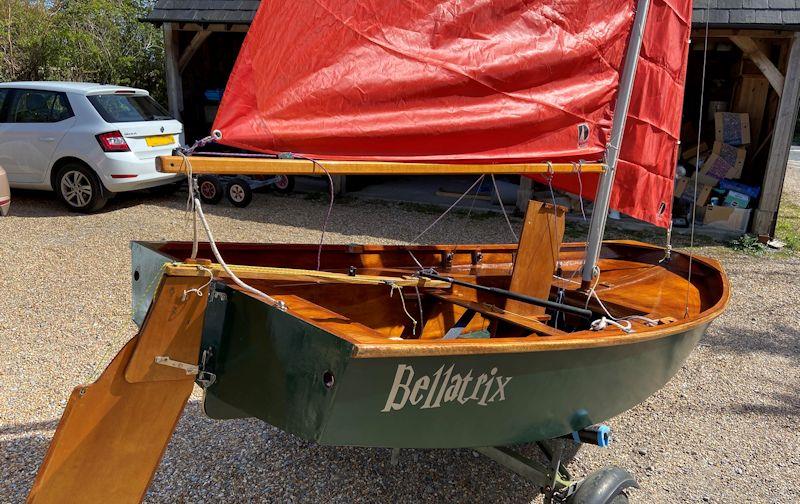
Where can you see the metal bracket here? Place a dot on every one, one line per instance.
(204, 378)
(190, 369)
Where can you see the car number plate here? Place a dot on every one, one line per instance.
(159, 140)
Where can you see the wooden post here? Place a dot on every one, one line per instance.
(339, 184)
(766, 214)
(524, 193)
(171, 58)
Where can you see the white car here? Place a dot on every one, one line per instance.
(84, 141)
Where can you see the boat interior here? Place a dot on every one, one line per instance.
(638, 286)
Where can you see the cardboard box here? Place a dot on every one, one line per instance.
(703, 193)
(690, 154)
(729, 218)
(731, 128)
(684, 187)
(732, 155)
(716, 167)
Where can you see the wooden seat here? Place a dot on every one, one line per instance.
(492, 312)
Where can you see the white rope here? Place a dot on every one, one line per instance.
(604, 322)
(190, 201)
(623, 323)
(392, 288)
(199, 209)
(199, 290)
(503, 208)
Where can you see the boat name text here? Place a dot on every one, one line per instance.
(428, 392)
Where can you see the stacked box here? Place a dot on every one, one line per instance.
(732, 128)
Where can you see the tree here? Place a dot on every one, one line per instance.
(81, 40)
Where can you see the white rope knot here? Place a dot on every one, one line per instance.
(199, 290)
(604, 322)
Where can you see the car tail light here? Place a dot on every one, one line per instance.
(113, 141)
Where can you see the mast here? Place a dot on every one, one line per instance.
(603, 198)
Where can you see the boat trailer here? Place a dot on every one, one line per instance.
(557, 485)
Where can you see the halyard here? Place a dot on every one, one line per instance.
(723, 430)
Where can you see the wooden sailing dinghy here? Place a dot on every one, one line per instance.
(419, 346)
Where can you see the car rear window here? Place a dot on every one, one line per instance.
(116, 108)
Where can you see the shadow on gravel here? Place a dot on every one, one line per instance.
(31, 427)
(37, 204)
(21, 458)
(249, 459)
(780, 339)
(243, 460)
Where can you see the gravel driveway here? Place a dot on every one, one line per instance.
(723, 430)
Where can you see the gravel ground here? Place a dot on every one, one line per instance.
(722, 430)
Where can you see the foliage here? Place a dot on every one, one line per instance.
(748, 244)
(81, 40)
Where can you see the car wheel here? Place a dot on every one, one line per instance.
(239, 192)
(80, 189)
(210, 189)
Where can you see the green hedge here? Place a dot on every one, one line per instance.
(81, 40)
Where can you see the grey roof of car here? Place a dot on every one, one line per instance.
(67, 87)
(775, 14)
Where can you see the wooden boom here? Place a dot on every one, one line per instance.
(275, 166)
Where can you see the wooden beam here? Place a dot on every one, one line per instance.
(299, 275)
(197, 41)
(752, 50)
(174, 84)
(275, 166)
(215, 27)
(756, 34)
(772, 187)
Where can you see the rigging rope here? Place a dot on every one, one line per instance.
(197, 210)
(503, 208)
(697, 164)
(392, 287)
(469, 189)
(330, 204)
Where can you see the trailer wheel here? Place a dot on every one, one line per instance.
(210, 189)
(284, 184)
(606, 486)
(239, 192)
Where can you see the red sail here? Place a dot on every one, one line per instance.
(462, 81)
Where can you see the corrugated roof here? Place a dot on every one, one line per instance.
(730, 13)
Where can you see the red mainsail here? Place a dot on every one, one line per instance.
(464, 81)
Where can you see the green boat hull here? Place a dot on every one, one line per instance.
(295, 376)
